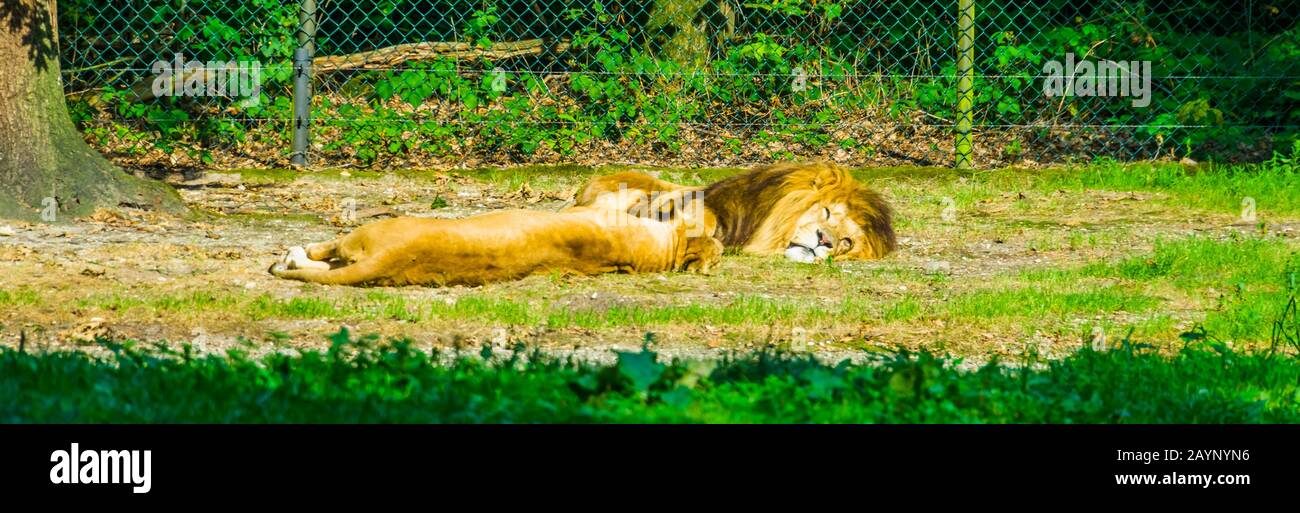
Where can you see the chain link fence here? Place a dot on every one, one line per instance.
(397, 83)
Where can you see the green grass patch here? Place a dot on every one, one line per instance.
(361, 381)
(21, 296)
(1213, 187)
(1250, 277)
(1234, 284)
(980, 304)
(1200, 262)
(188, 301)
(1038, 302)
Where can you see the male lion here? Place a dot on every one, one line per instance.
(506, 245)
(807, 212)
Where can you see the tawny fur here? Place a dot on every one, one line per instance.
(505, 246)
(759, 211)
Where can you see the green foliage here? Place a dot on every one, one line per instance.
(361, 380)
(1210, 87)
(256, 30)
(481, 24)
(1216, 87)
(1287, 163)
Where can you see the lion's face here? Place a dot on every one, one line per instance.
(825, 230)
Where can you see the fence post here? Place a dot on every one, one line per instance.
(965, 80)
(302, 57)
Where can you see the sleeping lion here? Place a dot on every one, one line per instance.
(509, 245)
(807, 212)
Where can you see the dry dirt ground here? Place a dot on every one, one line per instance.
(958, 282)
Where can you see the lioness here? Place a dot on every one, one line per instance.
(505, 245)
(807, 212)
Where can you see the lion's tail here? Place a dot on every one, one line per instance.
(357, 273)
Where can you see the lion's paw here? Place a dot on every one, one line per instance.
(296, 256)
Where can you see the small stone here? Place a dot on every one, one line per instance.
(499, 338)
(7, 231)
(938, 266)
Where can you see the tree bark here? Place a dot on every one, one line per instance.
(687, 31)
(45, 164)
(678, 31)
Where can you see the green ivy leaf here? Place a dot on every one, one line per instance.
(640, 368)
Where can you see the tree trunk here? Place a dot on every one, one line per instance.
(677, 30)
(45, 165)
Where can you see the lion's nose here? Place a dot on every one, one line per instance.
(822, 239)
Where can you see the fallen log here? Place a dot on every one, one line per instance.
(392, 56)
(415, 52)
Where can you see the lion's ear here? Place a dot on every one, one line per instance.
(829, 176)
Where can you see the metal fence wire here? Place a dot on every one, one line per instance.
(458, 82)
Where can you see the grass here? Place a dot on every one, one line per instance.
(1206, 187)
(1246, 278)
(361, 381)
(20, 296)
(1034, 262)
(1037, 302)
(1032, 255)
(1238, 282)
(1217, 188)
(981, 304)
(1199, 261)
(1220, 188)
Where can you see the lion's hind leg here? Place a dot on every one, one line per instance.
(314, 256)
(358, 273)
(323, 251)
(298, 258)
